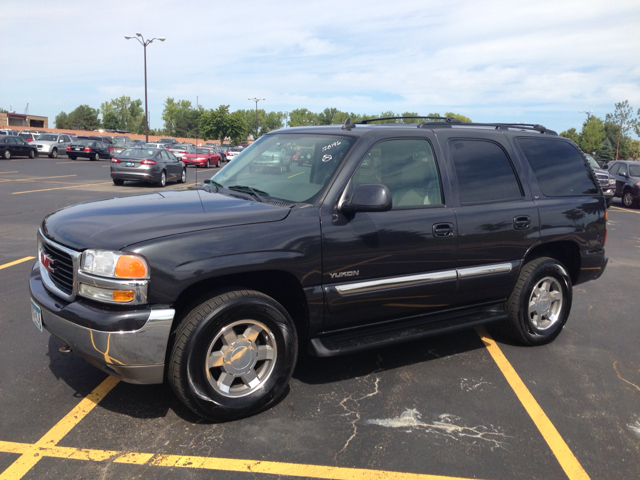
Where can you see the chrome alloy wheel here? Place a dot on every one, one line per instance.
(241, 358)
(545, 303)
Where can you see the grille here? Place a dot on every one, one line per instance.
(62, 275)
(603, 178)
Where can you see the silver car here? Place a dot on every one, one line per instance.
(52, 144)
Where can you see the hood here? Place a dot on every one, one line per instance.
(43, 142)
(117, 223)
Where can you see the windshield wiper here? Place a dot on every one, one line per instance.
(247, 189)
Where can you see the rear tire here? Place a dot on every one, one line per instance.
(183, 176)
(627, 199)
(6, 155)
(540, 302)
(72, 157)
(163, 179)
(32, 154)
(118, 182)
(233, 355)
(96, 157)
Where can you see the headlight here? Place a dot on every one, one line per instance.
(106, 263)
(612, 181)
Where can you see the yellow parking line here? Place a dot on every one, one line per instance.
(31, 454)
(11, 264)
(296, 174)
(2, 173)
(60, 188)
(208, 463)
(4, 180)
(560, 449)
(624, 210)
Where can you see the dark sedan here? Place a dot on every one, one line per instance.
(154, 165)
(627, 176)
(11, 146)
(91, 149)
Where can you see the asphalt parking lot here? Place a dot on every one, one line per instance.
(465, 405)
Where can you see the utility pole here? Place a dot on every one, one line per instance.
(255, 135)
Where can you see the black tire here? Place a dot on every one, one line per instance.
(95, 157)
(72, 157)
(627, 199)
(6, 154)
(216, 328)
(32, 153)
(183, 176)
(289, 168)
(163, 179)
(218, 164)
(609, 201)
(118, 181)
(544, 286)
(208, 164)
(54, 153)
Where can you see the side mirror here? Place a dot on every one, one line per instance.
(368, 197)
(207, 180)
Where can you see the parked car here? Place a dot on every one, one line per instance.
(274, 160)
(627, 177)
(222, 151)
(154, 165)
(232, 152)
(180, 151)
(168, 141)
(202, 157)
(12, 146)
(606, 181)
(28, 137)
(138, 142)
(216, 288)
(52, 144)
(156, 145)
(90, 148)
(8, 131)
(124, 140)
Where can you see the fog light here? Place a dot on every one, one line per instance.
(105, 295)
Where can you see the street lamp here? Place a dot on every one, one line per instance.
(144, 43)
(255, 137)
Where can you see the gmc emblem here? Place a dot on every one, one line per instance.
(47, 262)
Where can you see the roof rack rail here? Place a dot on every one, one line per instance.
(498, 126)
(368, 120)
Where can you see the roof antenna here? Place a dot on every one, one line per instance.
(347, 125)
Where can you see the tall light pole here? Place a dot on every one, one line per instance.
(144, 43)
(255, 136)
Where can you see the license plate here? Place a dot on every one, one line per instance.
(77, 148)
(36, 315)
(129, 164)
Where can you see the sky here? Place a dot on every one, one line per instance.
(493, 61)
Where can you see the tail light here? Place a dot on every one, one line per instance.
(115, 160)
(87, 149)
(148, 162)
(68, 148)
(111, 149)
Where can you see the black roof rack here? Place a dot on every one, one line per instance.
(369, 120)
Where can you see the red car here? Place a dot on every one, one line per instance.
(202, 157)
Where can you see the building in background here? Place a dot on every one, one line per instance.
(19, 120)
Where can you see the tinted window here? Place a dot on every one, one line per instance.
(634, 170)
(484, 172)
(614, 170)
(623, 169)
(558, 166)
(408, 169)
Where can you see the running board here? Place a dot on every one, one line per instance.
(397, 332)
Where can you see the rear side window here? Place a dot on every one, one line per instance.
(485, 173)
(558, 167)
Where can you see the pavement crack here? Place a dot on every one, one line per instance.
(619, 375)
(444, 425)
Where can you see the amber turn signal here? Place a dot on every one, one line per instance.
(123, 295)
(129, 266)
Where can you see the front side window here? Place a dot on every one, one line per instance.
(407, 167)
(623, 169)
(614, 170)
(485, 173)
(268, 165)
(558, 167)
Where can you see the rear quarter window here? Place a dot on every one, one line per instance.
(558, 167)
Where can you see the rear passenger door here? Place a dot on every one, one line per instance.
(497, 218)
(379, 266)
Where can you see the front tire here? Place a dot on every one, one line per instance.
(6, 155)
(207, 165)
(233, 355)
(540, 302)
(54, 153)
(609, 201)
(32, 154)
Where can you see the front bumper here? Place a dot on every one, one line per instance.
(130, 344)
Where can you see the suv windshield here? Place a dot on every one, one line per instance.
(267, 165)
(48, 138)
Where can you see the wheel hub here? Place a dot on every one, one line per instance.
(543, 303)
(240, 357)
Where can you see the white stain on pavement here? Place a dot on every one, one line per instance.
(635, 427)
(444, 425)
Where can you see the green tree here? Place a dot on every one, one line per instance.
(273, 121)
(592, 134)
(634, 149)
(302, 117)
(122, 114)
(571, 134)
(411, 120)
(326, 116)
(606, 152)
(237, 127)
(83, 118)
(180, 118)
(62, 121)
(219, 124)
(623, 119)
(460, 117)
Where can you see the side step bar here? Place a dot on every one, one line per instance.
(366, 338)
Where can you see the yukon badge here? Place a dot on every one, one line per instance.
(351, 273)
